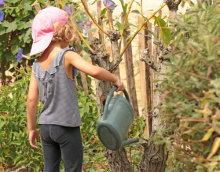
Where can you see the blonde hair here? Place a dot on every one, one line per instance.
(66, 33)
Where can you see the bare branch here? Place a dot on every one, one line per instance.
(93, 18)
(144, 56)
(99, 52)
(125, 21)
(141, 28)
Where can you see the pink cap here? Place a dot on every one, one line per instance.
(47, 22)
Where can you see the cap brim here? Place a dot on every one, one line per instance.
(41, 45)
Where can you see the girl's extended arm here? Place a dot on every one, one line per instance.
(94, 71)
(32, 100)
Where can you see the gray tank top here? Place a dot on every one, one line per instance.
(57, 93)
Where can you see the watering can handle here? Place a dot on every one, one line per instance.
(109, 98)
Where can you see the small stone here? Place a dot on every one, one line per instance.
(215, 39)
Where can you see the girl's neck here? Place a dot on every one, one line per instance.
(52, 50)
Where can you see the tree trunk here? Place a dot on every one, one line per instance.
(153, 159)
(3, 76)
(130, 71)
(117, 71)
(101, 34)
(117, 159)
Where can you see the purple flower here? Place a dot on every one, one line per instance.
(20, 55)
(109, 3)
(2, 14)
(67, 9)
(84, 26)
(2, 2)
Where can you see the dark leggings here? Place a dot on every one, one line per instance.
(65, 141)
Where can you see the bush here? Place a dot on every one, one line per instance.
(15, 149)
(191, 92)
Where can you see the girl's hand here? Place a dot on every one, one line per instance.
(119, 84)
(33, 134)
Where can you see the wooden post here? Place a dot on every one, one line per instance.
(57, 3)
(130, 71)
(88, 22)
(101, 34)
(37, 7)
(47, 4)
(78, 50)
(3, 78)
(143, 78)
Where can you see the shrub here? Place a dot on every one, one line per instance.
(191, 93)
(15, 149)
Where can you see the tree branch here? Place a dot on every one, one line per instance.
(93, 18)
(125, 21)
(141, 28)
(99, 53)
(144, 56)
(109, 19)
(193, 74)
(114, 37)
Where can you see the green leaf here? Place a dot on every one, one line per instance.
(11, 1)
(103, 12)
(151, 33)
(94, 2)
(118, 25)
(5, 23)
(27, 35)
(136, 11)
(129, 36)
(2, 123)
(1, 58)
(2, 30)
(165, 31)
(27, 5)
(91, 30)
(18, 158)
(130, 24)
(125, 8)
(12, 27)
(14, 49)
(93, 14)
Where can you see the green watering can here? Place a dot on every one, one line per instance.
(116, 121)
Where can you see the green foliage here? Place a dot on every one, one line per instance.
(191, 96)
(165, 34)
(15, 149)
(15, 32)
(134, 150)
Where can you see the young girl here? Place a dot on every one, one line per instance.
(53, 78)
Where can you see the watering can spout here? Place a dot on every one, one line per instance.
(129, 141)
